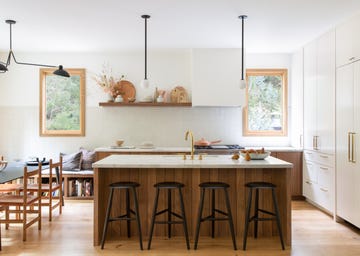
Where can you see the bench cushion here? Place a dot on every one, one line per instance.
(79, 173)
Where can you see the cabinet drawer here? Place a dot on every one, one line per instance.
(310, 172)
(309, 155)
(325, 159)
(324, 177)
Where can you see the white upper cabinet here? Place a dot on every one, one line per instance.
(216, 77)
(319, 94)
(297, 98)
(348, 41)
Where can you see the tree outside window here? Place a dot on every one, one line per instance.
(266, 103)
(62, 103)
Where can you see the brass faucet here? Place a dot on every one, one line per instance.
(192, 142)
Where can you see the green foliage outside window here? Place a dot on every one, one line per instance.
(62, 103)
(265, 113)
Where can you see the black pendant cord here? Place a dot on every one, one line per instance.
(242, 17)
(145, 16)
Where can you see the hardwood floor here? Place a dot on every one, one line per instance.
(314, 233)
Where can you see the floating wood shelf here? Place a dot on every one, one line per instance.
(143, 104)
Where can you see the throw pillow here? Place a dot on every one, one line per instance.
(71, 162)
(88, 158)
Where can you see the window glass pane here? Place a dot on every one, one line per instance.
(264, 103)
(265, 112)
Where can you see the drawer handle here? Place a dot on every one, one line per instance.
(324, 189)
(352, 58)
(323, 156)
(308, 182)
(324, 168)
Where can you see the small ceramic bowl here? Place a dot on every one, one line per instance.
(257, 156)
(3, 165)
(119, 142)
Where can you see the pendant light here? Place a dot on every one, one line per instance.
(4, 67)
(242, 81)
(145, 83)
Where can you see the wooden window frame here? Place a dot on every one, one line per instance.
(45, 132)
(275, 72)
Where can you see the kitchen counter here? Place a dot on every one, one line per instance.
(176, 161)
(150, 169)
(139, 149)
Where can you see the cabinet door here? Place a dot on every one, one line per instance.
(325, 94)
(310, 71)
(346, 183)
(296, 175)
(348, 41)
(297, 99)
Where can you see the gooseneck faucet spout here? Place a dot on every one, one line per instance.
(192, 142)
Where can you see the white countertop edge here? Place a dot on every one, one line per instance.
(166, 161)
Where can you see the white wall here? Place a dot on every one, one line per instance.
(19, 105)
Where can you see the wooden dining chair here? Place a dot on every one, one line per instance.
(24, 205)
(51, 192)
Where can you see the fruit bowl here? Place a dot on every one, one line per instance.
(256, 155)
(3, 165)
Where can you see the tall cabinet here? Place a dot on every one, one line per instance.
(319, 121)
(348, 142)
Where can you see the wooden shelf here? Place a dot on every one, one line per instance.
(143, 104)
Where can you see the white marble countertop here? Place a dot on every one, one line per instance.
(184, 149)
(176, 161)
(142, 149)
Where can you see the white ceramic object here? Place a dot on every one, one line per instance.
(257, 156)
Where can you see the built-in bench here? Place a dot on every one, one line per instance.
(76, 178)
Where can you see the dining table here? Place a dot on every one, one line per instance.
(15, 170)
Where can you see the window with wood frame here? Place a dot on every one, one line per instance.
(265, 113)
(62, 103)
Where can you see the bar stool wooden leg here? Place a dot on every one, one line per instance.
(184, 219)
(213, 213)
(107, 218)
(231, 223)
(278, 219)
(128, 213)
(247, 217)
(169, 213)
(201, 206)
(137, 217)
(256, 213)
(153, 217)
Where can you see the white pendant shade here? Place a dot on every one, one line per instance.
(144, 83)
(242, 84)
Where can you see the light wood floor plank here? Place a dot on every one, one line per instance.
(314, 233)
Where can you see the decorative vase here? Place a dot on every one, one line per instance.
(110, 98)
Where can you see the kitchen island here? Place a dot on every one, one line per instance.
(150, 169)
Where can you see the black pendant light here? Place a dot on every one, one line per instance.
(3, 68)
(145, 83)
(242, 81)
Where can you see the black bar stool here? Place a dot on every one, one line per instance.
(213, 186)
(169, 186)
(127, 216)
(256, 218)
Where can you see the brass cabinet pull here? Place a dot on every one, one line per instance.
(349, 159)
(324, 189)
(324, 168)
(353, 147)
(323, 156)
(314, 142)
(308, 182)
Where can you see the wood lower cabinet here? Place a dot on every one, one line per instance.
(296, 175)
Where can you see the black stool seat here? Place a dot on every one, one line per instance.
(260, 184)
(124, 184)
(274, 215)
(127, 185)
(169, 185)
(225, 215)
(214, 185)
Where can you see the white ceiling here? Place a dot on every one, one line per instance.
(115, 25)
